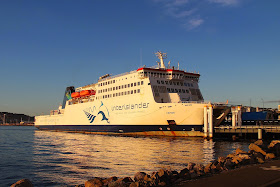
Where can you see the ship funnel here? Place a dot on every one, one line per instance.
(67, 95)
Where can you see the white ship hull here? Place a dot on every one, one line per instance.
(148, 101)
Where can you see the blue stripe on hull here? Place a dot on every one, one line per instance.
(120, 128)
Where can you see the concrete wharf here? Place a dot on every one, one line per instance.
(247, 129)
(256, 131)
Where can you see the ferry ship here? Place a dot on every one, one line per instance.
(156, 100)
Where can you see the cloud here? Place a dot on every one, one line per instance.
(225, 2)
(174, 12)
(188, 12)
(194, 23)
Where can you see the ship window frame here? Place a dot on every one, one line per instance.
(142, 82)
(131, 92)
(138, 83)
(128, 85)
(135, 84)
(131, 85)
(134, 91)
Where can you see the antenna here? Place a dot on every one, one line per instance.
(141, 57)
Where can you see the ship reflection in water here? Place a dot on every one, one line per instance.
(70, 158)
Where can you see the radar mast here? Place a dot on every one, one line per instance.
(161, 56)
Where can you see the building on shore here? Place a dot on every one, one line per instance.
(7, 118)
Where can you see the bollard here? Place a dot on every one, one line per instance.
(259, 134)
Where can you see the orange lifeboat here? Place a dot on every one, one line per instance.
(85, 92)
(75, 94)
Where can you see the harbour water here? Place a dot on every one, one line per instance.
(58, 158)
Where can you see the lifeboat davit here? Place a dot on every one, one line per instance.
(75, 94)
(92, 92)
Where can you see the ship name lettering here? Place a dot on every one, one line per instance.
(130, 106)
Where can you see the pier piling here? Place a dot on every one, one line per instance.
(208, 121)
(205, 122)
(259, 134)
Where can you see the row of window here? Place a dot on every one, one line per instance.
(172, 90)
(154, 74)
(121, 87)
(107, 83)
(119, 94)
(174, 83)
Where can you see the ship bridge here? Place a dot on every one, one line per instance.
(170, 84)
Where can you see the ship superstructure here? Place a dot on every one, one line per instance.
(148, 101)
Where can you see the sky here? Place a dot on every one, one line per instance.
(48, 45)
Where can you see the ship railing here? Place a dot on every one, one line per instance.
(112, 77)
(169, 67)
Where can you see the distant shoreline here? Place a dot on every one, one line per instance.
(17, 124)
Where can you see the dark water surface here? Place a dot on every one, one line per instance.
(59, 159)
